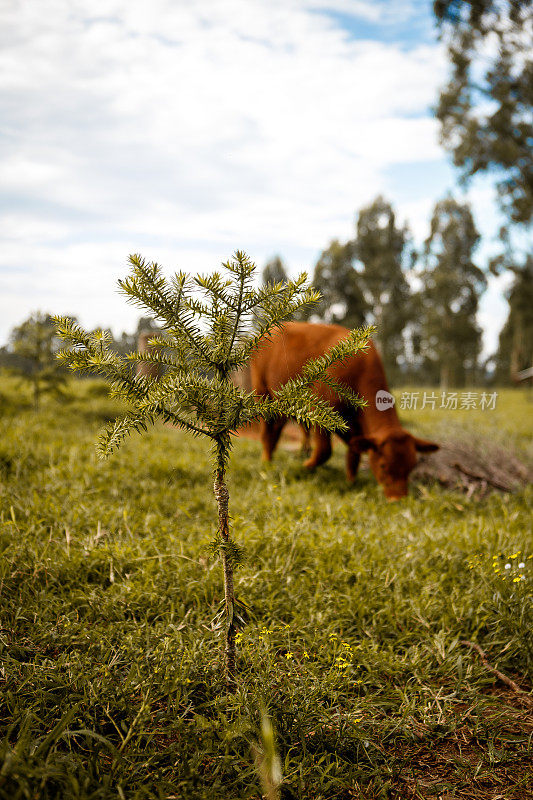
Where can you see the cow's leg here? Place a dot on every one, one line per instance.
(305, 448)
(353, 457)
(353, 454)
(321, 450)
(270, 433)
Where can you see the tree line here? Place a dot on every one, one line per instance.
(423, 304)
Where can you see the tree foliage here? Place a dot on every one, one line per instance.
(382, 248)
(515, 350)
(485, 109)
(452, 286)
(341, 299)
(128, 342)
(210, 325)
(364, 280)
(274, 271)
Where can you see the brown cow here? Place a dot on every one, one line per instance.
(376, 428)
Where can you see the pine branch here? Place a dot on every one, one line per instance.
(316, 370)
(113, 435)
(238, 311)
(306, 408)
(273, 318)
(269, 293)
(214, 286)
(153, 357)
(98, 359)
(344, 391)
(344, 349)
(147, 288)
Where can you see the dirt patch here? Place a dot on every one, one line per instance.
(474, 465)
(487, 757)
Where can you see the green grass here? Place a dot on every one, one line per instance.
(112, 681)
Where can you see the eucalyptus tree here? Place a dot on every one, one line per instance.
(452, 285)
(383, 251)
(515, 348)
(334, 276)
(485, 109)
(210, 326)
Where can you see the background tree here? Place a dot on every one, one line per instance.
(383, 251)
(128, 342)
(485, 110)
(515, 350)
(274, 271)
(452, 286)
(341, 301)
(205, 340)
(35, 345)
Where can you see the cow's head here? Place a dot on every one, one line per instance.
(392, 458)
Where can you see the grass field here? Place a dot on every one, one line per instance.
(111, 676)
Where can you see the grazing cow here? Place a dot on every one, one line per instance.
(376, 428)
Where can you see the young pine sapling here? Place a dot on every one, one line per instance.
(211, 325)
(35, 343)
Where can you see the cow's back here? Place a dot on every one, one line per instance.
(284, 353)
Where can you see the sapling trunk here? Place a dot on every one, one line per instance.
(222, 498)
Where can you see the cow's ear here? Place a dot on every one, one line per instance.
(363, 443)
(424, 446)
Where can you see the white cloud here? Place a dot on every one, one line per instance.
(191, 129)
(371, 11)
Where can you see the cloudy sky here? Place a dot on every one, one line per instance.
(186, 130)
